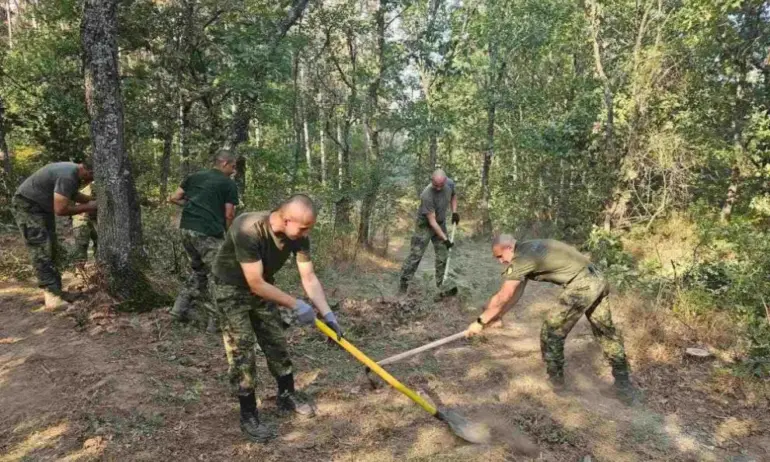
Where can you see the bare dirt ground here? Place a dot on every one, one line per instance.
(91, 384)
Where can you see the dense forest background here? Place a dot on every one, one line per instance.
(624, 127)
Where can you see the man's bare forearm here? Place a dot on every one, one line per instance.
(315, 291)
(272, 293)
(436, 228)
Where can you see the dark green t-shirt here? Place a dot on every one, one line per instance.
(432, 201)
(545, 260)
(59, 177)
(250, 239)
(207, 192)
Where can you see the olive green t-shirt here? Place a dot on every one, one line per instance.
(207, 192)
(545, 260)
(432, 201)
(250, 239)
(56, 178)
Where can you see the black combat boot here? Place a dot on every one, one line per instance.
(290, 400)
(403, 286)
(625, 390)
(250, 425)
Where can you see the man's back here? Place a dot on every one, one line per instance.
(207, 192)
(59, 177)
(546, 260)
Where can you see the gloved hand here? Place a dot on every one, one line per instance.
(304, 312)
(455, 218)
(449, 244)
(474, 329)
(331, 320)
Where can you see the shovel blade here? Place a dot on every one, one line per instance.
(472, 432)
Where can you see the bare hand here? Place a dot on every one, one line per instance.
(91, 206)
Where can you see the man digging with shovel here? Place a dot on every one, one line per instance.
(256, 246)
(435, 199)
(585, 292)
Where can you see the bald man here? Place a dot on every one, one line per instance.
(585, 292)
(208, 199)
(256, 247)
(435, 200)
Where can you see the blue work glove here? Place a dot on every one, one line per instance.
(331, 320)
(304, 312)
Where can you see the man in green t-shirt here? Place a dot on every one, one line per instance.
(585, 292)
(430, 226)
(256, 247)
(208, 199)
(49, 192)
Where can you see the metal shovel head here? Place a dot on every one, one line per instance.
(472, 432)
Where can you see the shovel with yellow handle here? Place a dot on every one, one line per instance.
(471, 432)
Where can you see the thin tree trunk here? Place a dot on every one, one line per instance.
(240, 135)
(7, 165)
(184, 133)
(8, 22)
(432, 149)
(339, 158)
(732, 195)
(303, 111)
(306, 137)
(322, 145)
(165, 161)
(486, 220)
(119, 217)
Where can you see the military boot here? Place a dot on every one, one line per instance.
(290, 400)
(54, 301)
(250, 425)
(69, 297)
(403, 287)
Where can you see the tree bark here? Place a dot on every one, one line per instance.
(322, 146)
(732, 195)
(240, 135)
(486, 220)
(184, 133)
(119, 216)
(165, 161)
(7, 165)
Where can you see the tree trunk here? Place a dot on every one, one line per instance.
(732, 195)
(240, 135)
(322, 145)
(486, 220)
(432, 150)
(8, 22)
(340, 173)
(119, 217)
(165, 161)
(7, 165)
(184, 133)
(303, 111)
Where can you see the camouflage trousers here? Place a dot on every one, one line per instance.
(586, 294)
(201, 249)
(38, 228)
(247, 320)
(423, 234)
(84, 229)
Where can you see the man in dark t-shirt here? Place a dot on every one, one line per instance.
(430, 226)
(256, 246)
(49, 192)
(208, 199)
(585, 292)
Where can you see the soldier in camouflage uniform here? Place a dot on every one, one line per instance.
(256, 247)
(208, 199)
(51, 191)
(585, 293)
(84, 229)
(430, 226)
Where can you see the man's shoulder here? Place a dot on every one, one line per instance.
(249, 223)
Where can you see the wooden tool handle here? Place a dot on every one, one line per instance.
(410, 353)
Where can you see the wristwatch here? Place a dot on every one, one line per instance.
(478, 320)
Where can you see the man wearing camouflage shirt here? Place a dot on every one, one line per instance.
(208, 199)
(585, 292)
(430, 226)
(256, 247)
(51, 191)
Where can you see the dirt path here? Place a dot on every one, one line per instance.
(92, 385)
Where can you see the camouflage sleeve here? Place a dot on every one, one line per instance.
(303, 250)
